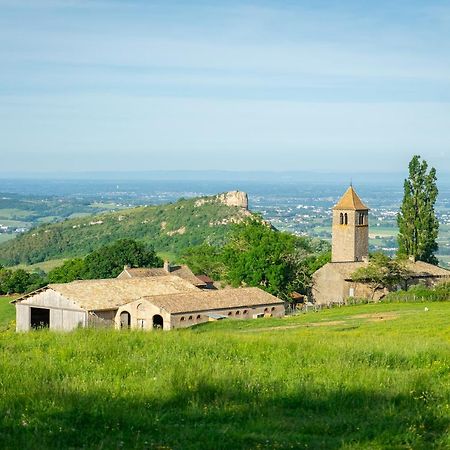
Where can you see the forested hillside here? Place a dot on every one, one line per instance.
(169, 228)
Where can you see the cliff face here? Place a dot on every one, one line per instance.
(234, 198)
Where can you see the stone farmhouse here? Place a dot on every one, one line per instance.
(333, 283)
(146, 302)
(183, 272)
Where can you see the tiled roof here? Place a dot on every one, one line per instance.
(351, 201)
(197, 301)
(180, 271)
(112, 293)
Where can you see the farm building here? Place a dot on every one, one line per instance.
(333, 282)
(165, 302)
(181, 271)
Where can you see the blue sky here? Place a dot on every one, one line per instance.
(283, 85)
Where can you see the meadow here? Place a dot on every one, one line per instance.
(357, 377)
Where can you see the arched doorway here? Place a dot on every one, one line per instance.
(158, 322)
(125, 319)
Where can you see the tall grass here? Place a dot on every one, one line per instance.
(339, 379)
(420, 293)
(7, 312)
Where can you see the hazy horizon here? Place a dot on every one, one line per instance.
(112, 85)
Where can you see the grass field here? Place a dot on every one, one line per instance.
(6, 237)
(362, 377)
(7, 313)
(46, 266)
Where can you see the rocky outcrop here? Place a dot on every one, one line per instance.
(234, 198)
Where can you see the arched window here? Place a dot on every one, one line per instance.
(182, 319)
(190, 318)
(238, 312)
(341, 219)
(361, 219)
(245, 311)
(230, 313)
(199, 317)
(273, 308)
(345, 219)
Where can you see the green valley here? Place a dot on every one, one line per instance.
(170, 228)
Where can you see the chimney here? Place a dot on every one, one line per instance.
(167, 266)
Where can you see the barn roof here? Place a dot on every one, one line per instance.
(180, 271)
(199, 300)
(417, 269)
(112, 293)
(350, 200)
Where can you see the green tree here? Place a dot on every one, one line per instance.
(205, 259)
(108, 261)
(381, 272)
(256, 255)
(72, 269)
(20, 281)
(417, 221)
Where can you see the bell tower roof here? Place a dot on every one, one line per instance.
(351, 201)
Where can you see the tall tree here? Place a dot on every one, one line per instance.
(417, 221)
(108, 261)
(381, 272)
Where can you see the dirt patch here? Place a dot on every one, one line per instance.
(303, 325)
(376, 317)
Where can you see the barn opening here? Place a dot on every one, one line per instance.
(40, 318)
(125, 319)
(158, 322)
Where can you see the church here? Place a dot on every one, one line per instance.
(333, 283)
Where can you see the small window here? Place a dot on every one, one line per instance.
(182, 319)
(266, 310)
(190, 318)
(230, 313)
(238, 312)
(245, 311)
(273, 308)
(345, 219)
(199, 317)
(361, 219)
(341, 219)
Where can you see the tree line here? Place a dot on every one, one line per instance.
(106, 262)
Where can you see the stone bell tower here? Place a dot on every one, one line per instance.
(350, 229)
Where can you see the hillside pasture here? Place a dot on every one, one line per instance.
(360, 377)
(7, 312)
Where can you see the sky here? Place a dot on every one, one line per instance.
(139, 85)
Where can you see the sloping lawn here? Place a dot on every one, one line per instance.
(7, 312)
(363, 377)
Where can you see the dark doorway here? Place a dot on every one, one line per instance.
(40, 318)
(125, 319)
(158, 322)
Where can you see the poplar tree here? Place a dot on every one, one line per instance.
(417, 221)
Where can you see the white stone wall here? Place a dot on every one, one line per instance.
(65, 314)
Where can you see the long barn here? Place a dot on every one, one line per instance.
(165, 302)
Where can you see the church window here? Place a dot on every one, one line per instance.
(361, 219)
(345, 219)
(341, 219)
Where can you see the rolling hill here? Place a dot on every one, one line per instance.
(169, 228)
